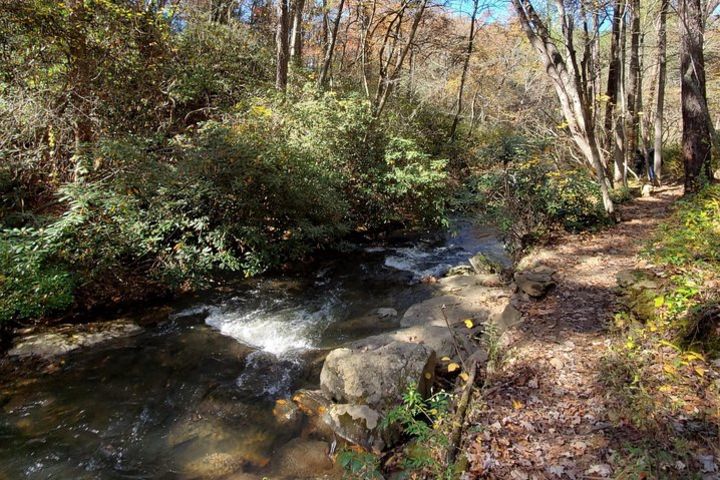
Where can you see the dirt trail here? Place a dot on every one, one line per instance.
(546, 412)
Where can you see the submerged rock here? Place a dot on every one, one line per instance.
(302, 458)
(386, 312)
(377, 377)
(65, 339)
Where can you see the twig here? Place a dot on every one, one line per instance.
(459, 419)
(452, 337)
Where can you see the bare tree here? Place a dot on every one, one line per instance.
(466, 64)
(390, 73)
(564, 73)
(633, 88)
(330, 48)
(660, 94)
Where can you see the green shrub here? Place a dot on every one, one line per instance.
(530, 198)
(30, 286)
(247, 192)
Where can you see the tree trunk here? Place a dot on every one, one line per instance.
(566, 79)
(613, 71)
(387, 81)
(296, 40)
(330, 48)
(466, 65)
(660, 99)
(633, 81)
(80, 76)
(696, 140)
(282, 45)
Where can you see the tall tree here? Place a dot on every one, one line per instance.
(563, 71)
(466, 64)
(696, 141)
(660, 94)
(282, 45)
(614, 128)
(633, 88)
(296, 39)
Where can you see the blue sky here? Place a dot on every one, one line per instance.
(500, 9)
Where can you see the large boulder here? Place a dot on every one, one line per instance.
(439, 338)
(377, 376)
(456, 310)
(65, 339)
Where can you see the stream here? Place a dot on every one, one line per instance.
(200, 385)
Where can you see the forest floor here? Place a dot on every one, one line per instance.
(547, 411)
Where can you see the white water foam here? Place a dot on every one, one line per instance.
(279, 332)
(418, 261)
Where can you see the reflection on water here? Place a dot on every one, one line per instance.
(193, 396)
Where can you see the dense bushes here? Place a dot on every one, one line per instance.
(527, 199)
(245, 192)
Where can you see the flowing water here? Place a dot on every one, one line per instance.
(194, 393)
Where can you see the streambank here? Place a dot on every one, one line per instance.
(199, 391)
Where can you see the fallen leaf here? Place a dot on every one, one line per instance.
(464, 376)
(517, 405)
(602, 469)
(468, 323)
(452, 367)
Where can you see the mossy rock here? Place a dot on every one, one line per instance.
(639, 289)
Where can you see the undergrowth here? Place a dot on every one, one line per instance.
(662, 368)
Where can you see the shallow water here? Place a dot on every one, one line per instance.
(193, 395)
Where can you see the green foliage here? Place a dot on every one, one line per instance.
(252, 190)
(359, 464)
(529, 198)
(422, 420)
(687, 246)
(219, 62)
(30, 285)
(692, 238)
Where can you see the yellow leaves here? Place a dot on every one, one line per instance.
(665, 388)
(468, 323)
(668, 344)
(700, 371)
(452, 367)
(517, 404)
(669, 369)
(690, 356)
(260, 111)
(465, 377)
(445, 359)
(428, 375)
